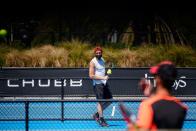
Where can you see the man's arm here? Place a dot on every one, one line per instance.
(144, 119)
(92, 73)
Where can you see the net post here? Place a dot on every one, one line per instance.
(62, 98)
(26, 115)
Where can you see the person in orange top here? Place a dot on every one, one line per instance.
(161, 110)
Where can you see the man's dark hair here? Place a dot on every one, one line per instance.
(167, 74)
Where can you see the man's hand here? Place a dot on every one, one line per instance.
(133, 127)
(145, 86)
(106, 77)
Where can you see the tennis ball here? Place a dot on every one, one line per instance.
(3, 32)
(109, 71)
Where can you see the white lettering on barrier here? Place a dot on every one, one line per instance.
(44, 85)
(24, 82)
(75, 83)
(57, 83)
(9, 84)
(150, 78)
(178, 83)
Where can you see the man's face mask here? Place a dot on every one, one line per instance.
(98, 55)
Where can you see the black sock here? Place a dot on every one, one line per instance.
(97, 114)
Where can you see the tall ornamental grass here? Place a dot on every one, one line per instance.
(78, 54)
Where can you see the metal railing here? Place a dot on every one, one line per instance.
(63, 110)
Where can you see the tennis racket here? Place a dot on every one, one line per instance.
(127, 115)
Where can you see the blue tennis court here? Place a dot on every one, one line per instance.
(58, 125)
(71, 125)
(74, 115)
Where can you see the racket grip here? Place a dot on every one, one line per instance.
(133, 118)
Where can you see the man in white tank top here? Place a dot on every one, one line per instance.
(100, 85)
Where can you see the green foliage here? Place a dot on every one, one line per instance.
(183, 56)
(78, 54)
(2, 61)
(4, 49)
(114, 45)
(45, 56)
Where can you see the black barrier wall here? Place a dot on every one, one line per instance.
(75, 82)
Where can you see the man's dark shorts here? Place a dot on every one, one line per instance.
(102, 91)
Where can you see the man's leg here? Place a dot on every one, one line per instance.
(105, 105)
(100, 109)
(106, 95)
(99, 90)
(102, 106)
